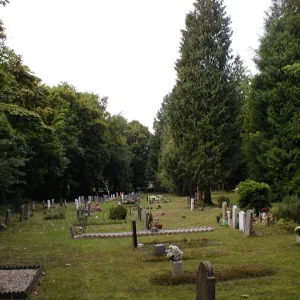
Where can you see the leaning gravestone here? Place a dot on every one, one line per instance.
(248, 224)
(242, 221)
(224, 210)
(7, 217)
(206, 281)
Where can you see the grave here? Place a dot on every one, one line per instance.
(234, 216)
(224, 211)
(241, 221)
(248, 223)
(206, 281)
(159, 249)
(7, 217)
(177, 268)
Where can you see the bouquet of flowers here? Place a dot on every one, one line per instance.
(174, 253)
(297, 230)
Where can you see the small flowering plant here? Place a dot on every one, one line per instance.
(174, 253)
(297, 230)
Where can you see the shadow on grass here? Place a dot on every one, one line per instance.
(234, 273)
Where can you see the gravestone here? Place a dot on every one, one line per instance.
(234, 216)
(28, 211)
(65, 203)
(139, 213)
(32, 203)
(242, 221)
(134, 236)
(7, 217)
(224, 210)
(22, 213)
(52, 203)
(177, 268)
(248, 223)
(49, 204)
(228, 217)
(44, 204)
(192, 203)
(160, 249)
(146, 221)
(76, 204)
(206, 282)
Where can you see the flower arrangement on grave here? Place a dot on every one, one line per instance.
(156, 223)
(174, 253)
(265, 209)
(297, 230)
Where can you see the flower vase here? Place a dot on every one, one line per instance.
(297, 239)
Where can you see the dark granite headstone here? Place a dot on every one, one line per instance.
(205, 289)
(134, 236)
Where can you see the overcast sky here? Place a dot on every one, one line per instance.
(123, 49)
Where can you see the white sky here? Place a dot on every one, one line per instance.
(123, 49)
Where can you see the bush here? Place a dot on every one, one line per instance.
(118, 213)
(289, 209)
(55, 214)
(222, 199)
(253, 194)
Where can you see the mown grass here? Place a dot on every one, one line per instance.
(264, 266)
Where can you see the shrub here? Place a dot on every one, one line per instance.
(222, 199)
(118, 213)
(55, 214)
(289, 209)
(253, 194)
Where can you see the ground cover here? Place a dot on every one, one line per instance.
(111, 269)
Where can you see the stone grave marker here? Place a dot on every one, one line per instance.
(228, 217)
(248, 223)
(177, 268)
(159, 249)
(192, 203)
(146, 221)
(28, 211)
(224, 211)
(89, 208)
(52, 203)
(242, 221)
(32, 203)
(24, 211)
(49, 204)
(234, 216)
(44, 204)
(206, 282)
(76, 204)
(7, 217)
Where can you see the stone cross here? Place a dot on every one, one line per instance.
(242, 221)
(192, 203)
(224, 210)
(234, 215)
(49, 204)
(7, 217)
(248, 224)
(206, 282)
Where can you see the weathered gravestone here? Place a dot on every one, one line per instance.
(22, 213)
(242, 221)
(192, 204)
(224, 211)
(89, 208)
(177, 268)
(206, 281)
(52, 202)
(248, 223)
(228, 217)
(7, 217)
(146, 220)
(28, 211)
(234, 216)
(32, 203)
(76, 204)
(159, 249)
(139, 210)
(72, 232)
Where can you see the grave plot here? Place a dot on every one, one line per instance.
(18, 282)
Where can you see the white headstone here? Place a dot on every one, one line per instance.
(192, 203)
(228, 217)
(234, 216)
(49, 204)
(76, 203)
(242, 221)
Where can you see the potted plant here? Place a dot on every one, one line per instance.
(297, 230)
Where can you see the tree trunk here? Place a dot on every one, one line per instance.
(207, 196)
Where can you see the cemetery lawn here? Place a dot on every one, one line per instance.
(110, 269)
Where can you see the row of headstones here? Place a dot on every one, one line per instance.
(51, 203)
(26, 209)
(244, 219)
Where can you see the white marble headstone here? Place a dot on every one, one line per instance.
(242, 221)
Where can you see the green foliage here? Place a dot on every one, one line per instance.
(222, 199)
(289, 209)
(271, 140)
(55, 214)
(118, 213)
(253, 194)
